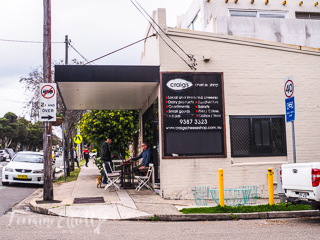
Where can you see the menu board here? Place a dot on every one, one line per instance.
(193, 117)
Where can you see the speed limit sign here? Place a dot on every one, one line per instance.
(288, 87)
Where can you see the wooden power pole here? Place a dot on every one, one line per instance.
(47, 126)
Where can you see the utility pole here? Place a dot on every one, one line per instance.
(67, 45)
(64, 155)
(47, 126)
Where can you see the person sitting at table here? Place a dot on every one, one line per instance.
(146, 157)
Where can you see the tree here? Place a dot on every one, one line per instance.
(29, 136)
(35, 136)
(9, 128)
(21, 139)
(96, 126)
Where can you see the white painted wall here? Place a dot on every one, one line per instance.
(214, 17)
(254, 73)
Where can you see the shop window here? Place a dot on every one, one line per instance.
(308, 15)
(253, 136)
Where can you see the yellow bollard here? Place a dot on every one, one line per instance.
(221, 188)
(270, 184)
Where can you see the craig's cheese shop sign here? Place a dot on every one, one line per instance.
(193, 117)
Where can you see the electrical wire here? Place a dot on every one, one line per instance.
(78, 52)
(23, 41)
(191, 57)
(120, 49)
(162, 29)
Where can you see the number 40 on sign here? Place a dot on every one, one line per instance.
(289, 87)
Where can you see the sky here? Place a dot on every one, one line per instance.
(94, 27)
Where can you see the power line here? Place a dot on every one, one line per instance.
(24, 41)
(190, 56)
(78, 52)
(120, 49)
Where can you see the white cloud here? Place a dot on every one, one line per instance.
(95, 28)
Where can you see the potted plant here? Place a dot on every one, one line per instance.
(59, 119)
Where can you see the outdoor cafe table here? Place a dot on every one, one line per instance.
(127, 175)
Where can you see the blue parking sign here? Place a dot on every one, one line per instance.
(290, 109)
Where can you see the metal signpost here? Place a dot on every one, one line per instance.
(290, 109)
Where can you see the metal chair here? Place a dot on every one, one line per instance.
(111, 179)
(143, 180)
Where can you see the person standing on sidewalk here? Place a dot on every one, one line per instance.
(86, 155)
(76, 157)
(106, 157)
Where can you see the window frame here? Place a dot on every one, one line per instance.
(307, 15)
(259, 13)
(255, 149)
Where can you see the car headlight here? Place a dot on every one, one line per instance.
(38, 171)
(7, 169)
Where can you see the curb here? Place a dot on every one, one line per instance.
(36, 208)
(232, 216)
(203, 217)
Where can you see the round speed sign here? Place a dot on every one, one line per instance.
(289, 88)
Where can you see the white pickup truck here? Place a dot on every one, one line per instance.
(301, 183)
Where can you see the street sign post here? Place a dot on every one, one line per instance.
(290, 109)
(48, 102)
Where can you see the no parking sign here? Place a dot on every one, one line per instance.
(48, 102)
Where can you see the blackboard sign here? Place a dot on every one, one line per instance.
(193, 117)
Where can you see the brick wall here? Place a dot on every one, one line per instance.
(253, 73)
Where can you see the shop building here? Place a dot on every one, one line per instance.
(226, 111)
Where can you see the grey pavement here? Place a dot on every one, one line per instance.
(130, 204)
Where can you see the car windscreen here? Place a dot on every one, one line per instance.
(30, 158)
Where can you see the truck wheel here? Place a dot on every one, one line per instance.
(5, 183)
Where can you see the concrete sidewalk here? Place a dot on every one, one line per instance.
(129, 204)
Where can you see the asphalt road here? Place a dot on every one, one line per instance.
(16, 192)
(23, 224)
(13, 194)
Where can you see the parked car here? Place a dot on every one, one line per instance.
(5, 155)
(10, 152)
(25, 167)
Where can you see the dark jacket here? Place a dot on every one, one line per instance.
(146, 157)
(105, 153)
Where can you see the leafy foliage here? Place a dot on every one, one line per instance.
(246, 209)
(98, 162)
(19, 133)
(96, 126)
(8, 128)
